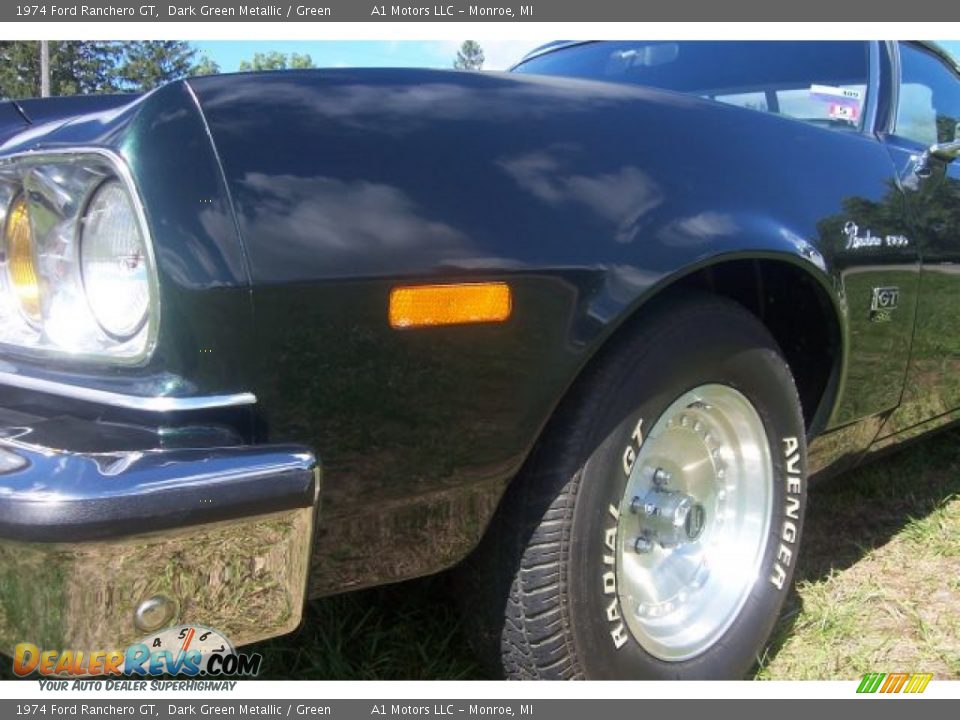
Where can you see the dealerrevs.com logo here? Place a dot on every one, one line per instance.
(184, 650)
(889, 683)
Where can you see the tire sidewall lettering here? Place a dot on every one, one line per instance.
(789, 521)
(619, 634)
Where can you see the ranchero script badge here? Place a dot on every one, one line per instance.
(857, 239)
(883, 304)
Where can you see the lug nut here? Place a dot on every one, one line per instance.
(661, 477)
(642, 545)
(636, 504)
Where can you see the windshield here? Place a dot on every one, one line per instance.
(820, 82)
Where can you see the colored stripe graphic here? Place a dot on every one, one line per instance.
(894, 682)
(918, 682)
(871, 682)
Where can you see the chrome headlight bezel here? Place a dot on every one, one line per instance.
(59, 186)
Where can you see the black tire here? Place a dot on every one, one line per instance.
(537, 602)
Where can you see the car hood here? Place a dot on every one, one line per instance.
(17, 115)
(12, 120)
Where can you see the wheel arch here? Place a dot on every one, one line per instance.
(797, 309)
(793, 298)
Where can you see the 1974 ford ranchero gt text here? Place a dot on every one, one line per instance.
(173, 11)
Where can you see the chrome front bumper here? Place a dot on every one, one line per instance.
(221, 536)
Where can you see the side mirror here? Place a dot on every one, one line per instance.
(945, 151)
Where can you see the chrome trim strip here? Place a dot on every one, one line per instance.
(895, 79)
(939, 51)
(547, 48)
(873, 89)
(153, 403)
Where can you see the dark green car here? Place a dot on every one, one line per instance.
(584, 329)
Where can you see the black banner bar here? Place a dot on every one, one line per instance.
(323, 11)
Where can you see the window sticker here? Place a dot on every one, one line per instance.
(833, 93)
(843, 111)
(844, 103)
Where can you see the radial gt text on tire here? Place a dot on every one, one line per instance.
(655, 529)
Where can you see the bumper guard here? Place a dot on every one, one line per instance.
(219, 537)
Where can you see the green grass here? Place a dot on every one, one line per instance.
(877, 584)
(878, 589)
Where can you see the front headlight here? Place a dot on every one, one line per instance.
(113, 261)
(77, 275)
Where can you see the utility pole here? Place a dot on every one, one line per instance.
(44, 69)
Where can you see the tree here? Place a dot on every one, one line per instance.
(469, 56)
(301, 62)
(277, 61)
(149, 64)
(265, 61)
(84, 68)
(205, 66)
(76, 67)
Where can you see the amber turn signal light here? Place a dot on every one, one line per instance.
(427, 305)
(21, 271)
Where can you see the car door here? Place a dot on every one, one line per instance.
(928, 113)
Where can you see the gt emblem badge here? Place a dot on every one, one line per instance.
(884, 302)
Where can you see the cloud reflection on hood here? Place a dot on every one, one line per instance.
(359, 226)
(621, 197)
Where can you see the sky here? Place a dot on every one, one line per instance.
(500, 54)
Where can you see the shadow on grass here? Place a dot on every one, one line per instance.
(851, 514)
(409, 631)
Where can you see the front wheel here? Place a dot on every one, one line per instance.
(655, 530)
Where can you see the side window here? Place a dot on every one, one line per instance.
(928, 111)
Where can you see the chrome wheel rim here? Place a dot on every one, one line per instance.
(693, 522)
